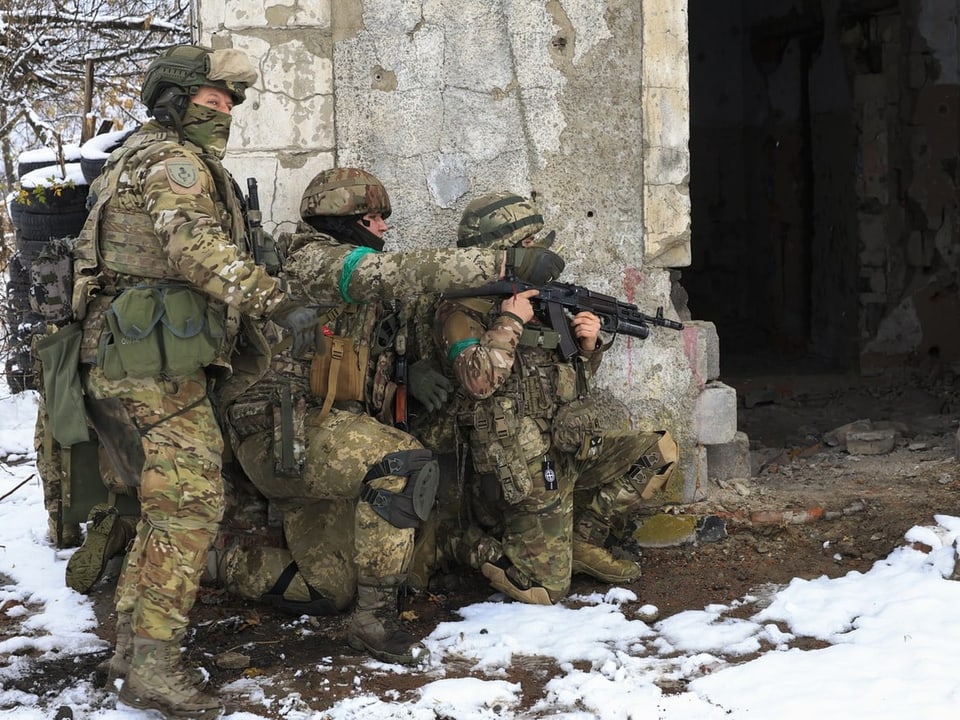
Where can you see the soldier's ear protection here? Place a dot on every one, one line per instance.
(171, 105)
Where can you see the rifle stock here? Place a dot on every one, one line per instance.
(555, 300)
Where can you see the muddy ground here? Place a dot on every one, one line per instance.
(810, 508)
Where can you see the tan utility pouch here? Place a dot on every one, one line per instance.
(339, 372)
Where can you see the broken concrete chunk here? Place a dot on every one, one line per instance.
(871, 442)
(838, 436)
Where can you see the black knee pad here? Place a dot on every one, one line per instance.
(411, 506)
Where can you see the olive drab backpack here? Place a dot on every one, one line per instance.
(47, 229)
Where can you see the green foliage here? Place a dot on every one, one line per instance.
(43, 193)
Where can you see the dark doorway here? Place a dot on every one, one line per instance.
(788, 192)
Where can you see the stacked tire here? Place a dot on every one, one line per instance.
(52, 203)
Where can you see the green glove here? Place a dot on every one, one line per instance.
(430, 387)
(535, 265)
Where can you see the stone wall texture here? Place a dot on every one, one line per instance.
(581, 103)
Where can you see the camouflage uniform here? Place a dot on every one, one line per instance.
(341, 440)
(162, 282)
(549, 482)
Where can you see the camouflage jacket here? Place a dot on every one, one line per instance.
(166, 212)
(371, 298)
(492, 354)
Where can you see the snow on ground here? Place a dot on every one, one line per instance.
(890, 637)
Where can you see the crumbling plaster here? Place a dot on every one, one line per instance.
(580, 102)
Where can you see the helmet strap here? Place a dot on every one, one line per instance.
(170, 109)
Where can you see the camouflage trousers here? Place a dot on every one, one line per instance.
(632, 470)
(181, 497)
(332, 534)
(52, 478)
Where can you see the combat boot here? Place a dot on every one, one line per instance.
(156, 681)
(107, 535)
(472, 547)
(593, 555)
(116, 667)
(509, 580)
(375, 624)
(602, 563)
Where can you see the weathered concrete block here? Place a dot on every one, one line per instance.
(694, 463)
(871, 442)
(701, 344)
(715, 416)
(730, 460)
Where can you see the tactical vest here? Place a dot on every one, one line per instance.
(542, 408)
(541, 381)
(118, 248)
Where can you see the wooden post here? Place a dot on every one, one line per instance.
(88, 122)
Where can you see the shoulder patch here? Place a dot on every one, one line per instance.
(183, 176)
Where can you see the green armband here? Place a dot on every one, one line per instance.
(349, 265)
(459, 347)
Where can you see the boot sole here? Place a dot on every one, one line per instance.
(88, 562)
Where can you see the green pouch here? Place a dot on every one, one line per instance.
(59, 355)
(192, 331)
(130, 346)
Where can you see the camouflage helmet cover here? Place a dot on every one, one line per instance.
(190, 67)
(344, 192)
(498, 220)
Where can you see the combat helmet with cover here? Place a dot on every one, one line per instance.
(499, 220)
(336, 200)
(174, 76)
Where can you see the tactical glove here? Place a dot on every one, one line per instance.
(430, 387)
(300, 321)
(535, 265)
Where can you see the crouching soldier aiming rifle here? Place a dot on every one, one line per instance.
(556, 488)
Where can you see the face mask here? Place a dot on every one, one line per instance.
(207, 128)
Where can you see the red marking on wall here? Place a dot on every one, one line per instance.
(632, 279)
(690, 338)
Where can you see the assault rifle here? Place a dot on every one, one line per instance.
(556, 299)
(254, 221)
(264, 249)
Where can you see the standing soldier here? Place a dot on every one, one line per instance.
(163, 282)
(326, 433)
(548, 482)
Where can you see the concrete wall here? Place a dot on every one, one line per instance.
(582, 103)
